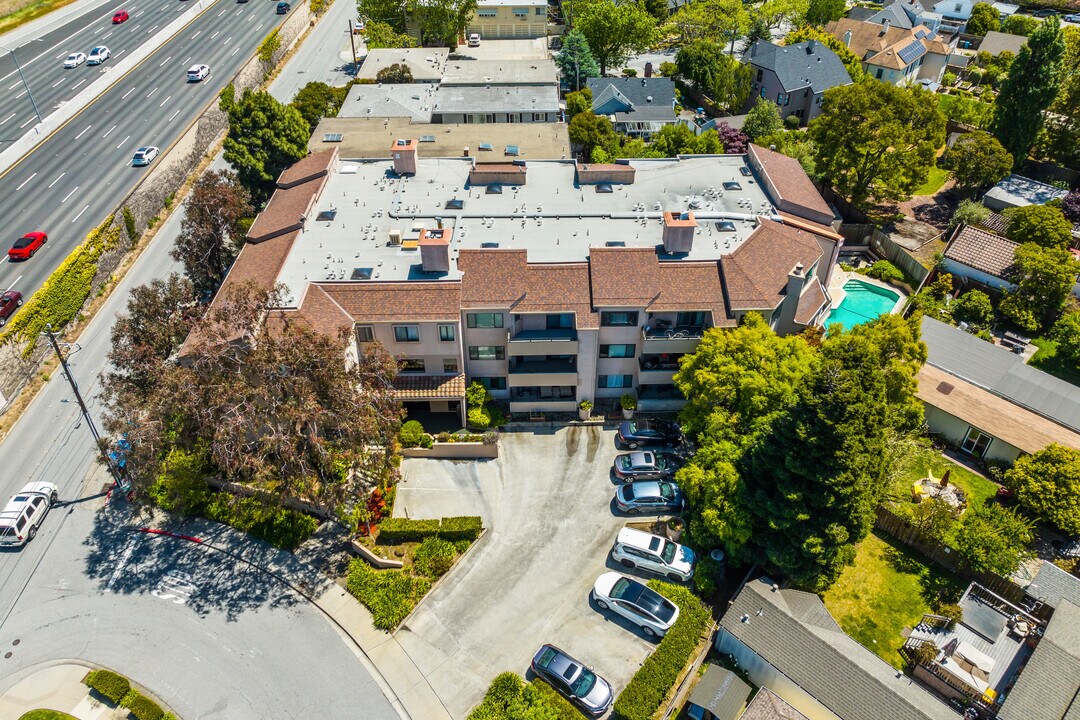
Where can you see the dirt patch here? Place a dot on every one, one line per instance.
(14, 13)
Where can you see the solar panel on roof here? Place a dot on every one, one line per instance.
(912, 51)
(427, 138)
(332, 137)
(486, 146)
(921, 33)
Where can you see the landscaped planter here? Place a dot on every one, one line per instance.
(372, 559)
(454, 450)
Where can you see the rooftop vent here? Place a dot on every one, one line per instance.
(361, 274)
(326, 215)
(732, 185)
(332, 137)
(494, 190)
(604, 188)
(725, 226)
(489, 245)
(945, 388)
(455, 204)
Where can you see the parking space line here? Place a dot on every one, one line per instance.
(26, 181)
(57, 179)
(69, 195)
(122, 142)
(124, 557)
(83, 132)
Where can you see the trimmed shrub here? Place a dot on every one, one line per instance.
(283, 528)
(467, 527)
(109, 684)
(510, 697)
(434, 557)
(390, 595)
(885, 270)
(142, 707)
(791, 122)
(655, 678)
(478, 417)
(411, 434)
(396, 530)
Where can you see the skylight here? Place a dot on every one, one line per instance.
(427, 138)
(745, 171)
(604, 188)
(732, 185)
(361, 274)
(486, 146)
(725, 226)
(489, 244)
(512, 150)
(332, 137)
(326, 215)
(455, 204)
(494, 190)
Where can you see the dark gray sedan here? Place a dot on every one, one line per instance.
(649, 497)
(580, 685)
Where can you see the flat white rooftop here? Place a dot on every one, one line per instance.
(551, 217)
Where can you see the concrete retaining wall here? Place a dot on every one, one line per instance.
(453, 450)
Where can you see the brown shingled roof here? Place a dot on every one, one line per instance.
(756, 274)
(293, 200)
(982, 250)
(427, 387)
(313, 166)
(388, 301)
(789, 180)
(811, 300)
(322, 312)
(872, 43)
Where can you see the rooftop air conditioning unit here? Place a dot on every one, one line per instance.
(395, 237)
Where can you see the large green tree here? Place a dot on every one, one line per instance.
(713, 72)
(877, 140)
(822, 12)
(441, 22)
(993, 539)
(1043, 277)
(1061, 142)
(1044, 225)
(379, 35)
(317, 100)
(614, 32)
(212, 230)
(1067, 333)
(977, 160)
(1047, 484)
(763, 119)
(264, 137)
(721, 21)
(388, 12)
(592, 131)
(1032, 85)
(576, 61)
(1020, 25)
(984, 18)
(775, 13)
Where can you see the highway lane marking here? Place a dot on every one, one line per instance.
(165, 61)
(7, 76)
(59, 81)
(99, 29)
(83, 132)
(165, 101)
(260, 26)
(107, 134)
(122, 142)
(227, 41)
(107, 36)
(239, 12)
(20, 95)
(26, 181)
(152, 29)
(134, 28)
(208, 78)
(122, 97)
(8, 118)
(124, 558)
(14, 283)
(15, 85)
(69, 195)
(151, 93)
(120, 53)
(78, 83)
(223, 12)
(196, 35)
(174, 115)
(251, 17)
(58, 178)
(26, 123)
(235, 50)
(80, 214)
(215, 35)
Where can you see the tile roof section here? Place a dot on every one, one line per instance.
(313, 166)
(877, 45)
(982, 250)
(995, 222)
(810, 302)
(292, 202)
(429, 387)
(1049, 686)
(800, 65)
(789, 184)
(756, 274)
(833, 668)
(321, 312)
(396, 301)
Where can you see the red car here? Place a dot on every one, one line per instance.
(25, 247)
(9, 303)
(119, 16)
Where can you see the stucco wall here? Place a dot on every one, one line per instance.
(954, 429)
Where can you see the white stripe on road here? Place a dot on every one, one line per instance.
(196, 35)
(152, 29)
(107, 133)
(15, 85)
(14, 283)
(260, 26)
(8, 118)
(57, 179)
(236, 50)
(122, 142)
(80, 214)
(174, 116)
(69, 195)
(119, 53)
(134, 28)
(151, 93)
(227, 41)
(59, 81)
(20, 95)
(251, 17)
(223, 12)
(99, 29)
(124, 557)
(27, 122)
(127, 93)
(78, 83)
(7, 76)
(208, 78)
(215, 35)
(165, 60)
(26, 181)
(107, 36)
(83, 132)
(165, 101)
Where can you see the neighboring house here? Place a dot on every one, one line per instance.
(995, 43)
(894, 54)
(1049, 686)
(474, 104)
(786, 641)
(637, 106)
(982, 257)
(502, 19)
(425, 64)
(414, 102)
(1052, 586)
(719, 695)
(1006, 10)
(954, 15)
(983, 398)
(501, 72)
(795, 77)
(907, 14)
(767, 705)
(1019, 191)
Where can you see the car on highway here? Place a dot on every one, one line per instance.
(9, 303)
(644, 465)
(283, 8)
(21, 518)
(120, 16)
(25, 247)
(646, 608)
(638, 549)
(637, 433)
(144, 156)
(572, 679)
(98, 55)
(648, 496)
(74, 60)
(196, 73)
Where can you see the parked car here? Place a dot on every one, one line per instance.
(120, 16)
(649, 496)
(21, 518)
(9, 303)
(74, 60)
(144, 156)
(196, 73)
(1044, 13)
(474, 40)
(646, 608)
(645, 465)
(283, 8)
(26, 246)
(637, 433)
(577, 683)
(1075, 18)
(639, 549)
(98, 55)
(358, 27)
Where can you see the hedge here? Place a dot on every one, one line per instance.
(142, 707)
(112, 685)
(452, 529)
(466, 527)
(534, 699)
(655, 678)
(390, 595)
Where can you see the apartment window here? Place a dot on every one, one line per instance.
(409, 365)
(539, 117)
(560, 321)
(446, 333)
(976, 443)
(487, 352)
(690, 319)
(488, 13)
(365, 333)
(541, 12)
(618, 319)
(449, 365)
(760, 73)
(479, 118)
(617, 351)
(779, 98)
(484, 320)
(616, 381)
(762, 92)
(492, 383)
(521, 12)
(407, 333)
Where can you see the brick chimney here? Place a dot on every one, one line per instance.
(679, 229)
(405, 153)
(435, 250)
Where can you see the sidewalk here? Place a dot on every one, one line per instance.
(58, 687)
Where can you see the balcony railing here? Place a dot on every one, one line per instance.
(659, 363)
(544, 335)
(561, 365)
(562, 341)
(666, 332)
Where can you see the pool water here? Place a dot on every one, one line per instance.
(863, 303)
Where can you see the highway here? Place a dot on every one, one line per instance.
(70, 182)
(41, 59)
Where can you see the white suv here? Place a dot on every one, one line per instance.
(21, 518)
(636, 548)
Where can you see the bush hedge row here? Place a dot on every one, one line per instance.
(112, 685)
(509, 696)
(142, 707)
(452, 529)
(655, 678)
(390, 595)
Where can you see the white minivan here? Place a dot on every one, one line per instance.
(20, 519)
(639, 549)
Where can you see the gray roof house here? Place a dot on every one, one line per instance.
(788, 642)
(637, 106)
(719, 695)
(1052, 585)
(414, 101)
(1019, 191)
(795, 77)
(995, 42)
(496, 104)
(1049, 686)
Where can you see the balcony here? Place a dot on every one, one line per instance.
(543, 399)
(659, 339)
(543, 342)
(552, 371)
(660, 398)
(653, 369)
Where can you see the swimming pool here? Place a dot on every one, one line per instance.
(863, 303)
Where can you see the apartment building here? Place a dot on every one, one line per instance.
(550, 282)
(504, 19)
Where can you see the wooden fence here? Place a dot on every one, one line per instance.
(1048, 172)
(883, 245)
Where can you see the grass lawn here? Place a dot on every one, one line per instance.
(977, 488)
(46, 715)
(888, 587)
(934, 181)
(14, 13)
(1047, 360)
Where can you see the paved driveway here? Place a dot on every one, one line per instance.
(547, 505)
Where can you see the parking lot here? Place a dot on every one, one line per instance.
(546, 503)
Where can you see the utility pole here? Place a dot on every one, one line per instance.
(352, 43)
(113, 469)
(25, 85)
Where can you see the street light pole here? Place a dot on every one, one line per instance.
(25, 84)
(113, 470)
(352, 43)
